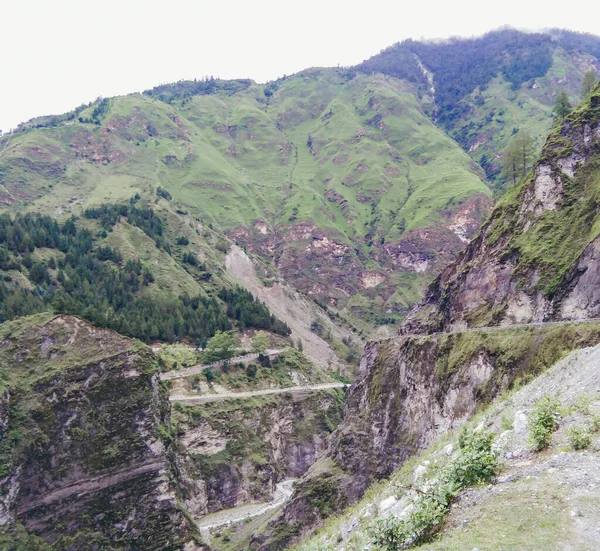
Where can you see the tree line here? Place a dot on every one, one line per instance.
(76, 274)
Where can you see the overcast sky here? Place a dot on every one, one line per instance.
(57, 54)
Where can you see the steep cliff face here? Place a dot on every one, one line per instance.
(409, 391)
(418, 388)
(234, 452)
(536, 259)
(85, 460)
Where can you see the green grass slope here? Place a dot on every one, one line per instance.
(493, 115)
(487, 88)
(323, 172)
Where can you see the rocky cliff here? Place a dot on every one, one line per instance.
(533, 261)
(85, 456)
(234, 452)
(411, 390)
(536, 259)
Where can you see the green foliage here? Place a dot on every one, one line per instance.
(322, 494)
(562, 106)
(543, 421)
(94, 283)
(518, 157)
(507, 421)
(579, 437)
(16, 538)
(231, 178)
(100, 110)
(145, 219)
(185, 89)
(221, 346)
(248, 312)
(260, 342)
(161, 192)
(209, 374)
(582, 404)
(461, 66)
(87, 278)
(587, 85)
(475, 463)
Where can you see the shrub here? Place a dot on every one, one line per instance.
(579, 437)
(507, 422)
(543, 422)
(195, 381)
(161, 192)
(475, 463)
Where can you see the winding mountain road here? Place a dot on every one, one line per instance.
(283, 491)
(181, 373)
(198, 398)
(491, 328)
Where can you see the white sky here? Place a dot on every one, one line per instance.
(57, 54)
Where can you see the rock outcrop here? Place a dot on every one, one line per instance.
(536, 259)
(533, 261)
(86, 460)
(235, 452)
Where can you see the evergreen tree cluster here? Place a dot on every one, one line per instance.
(185, 89)
(94, 282)
(460, 66)
(145, 219)
(249, 312)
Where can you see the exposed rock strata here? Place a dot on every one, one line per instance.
(536, 259)
(92, 462)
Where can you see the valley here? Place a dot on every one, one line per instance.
(316, 313)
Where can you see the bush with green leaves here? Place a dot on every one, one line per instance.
(579, 437)
(543, 421)
(475, 463)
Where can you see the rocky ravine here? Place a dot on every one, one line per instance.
(297, 311)
(546, 500)
(409, 391)
(534, 260)
(234, 452)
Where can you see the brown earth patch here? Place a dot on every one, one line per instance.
(333, 196)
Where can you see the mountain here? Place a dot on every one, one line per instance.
(324, 174)
(86, 457)
(314, 209)
(535, 258)
(485, 89)
(538, 500)
(350, 182)
(533, 262)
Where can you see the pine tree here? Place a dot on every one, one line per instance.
(589, 81)
(562, 106)
(518, 157)
(510, 162)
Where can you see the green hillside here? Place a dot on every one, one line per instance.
(488, 88)
(127, 268)
(324, 172)
(357, 185)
